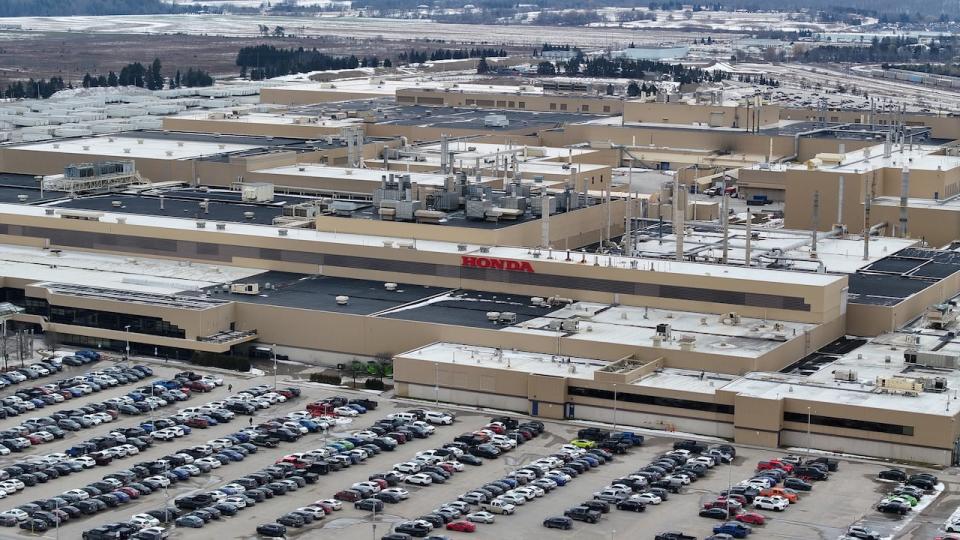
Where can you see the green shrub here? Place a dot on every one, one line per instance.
(373, 384)
(325, 378)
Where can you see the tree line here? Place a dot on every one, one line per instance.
(136, 74)
(266, 61)
(888, 49)
(626, 68)
(33, 89)
(419, 57)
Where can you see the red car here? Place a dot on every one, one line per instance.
(461, 526)
(733, 505)
(34, 439)
(446, 466)
(752, 518)
(496, 428)
(774, 464)
(197, 423)
(320, 408)
(134, 494)
(381, 482)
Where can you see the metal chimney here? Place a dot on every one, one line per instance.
(678, 215)
(545, 220)
(904, 195)
(725, 222)
(749, 243)
(840, 187)
(867, 196)
(887, 146)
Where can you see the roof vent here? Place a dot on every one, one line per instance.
(221, 226)
(126, 150)
(301, 169)
(23, 198)
(342, 300)
(390, 286)
(180, 144)
(248, 215)
(86, 148)
(282, 232)
(169, 153)
(116, 204)
(48, 211)
(121, 220)
(56, 145)
(139, 141)
(201, 224)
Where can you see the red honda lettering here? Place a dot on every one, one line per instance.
(496, 264)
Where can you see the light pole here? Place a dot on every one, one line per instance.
(273, 349)
(126, 354)
(808, 430)
(614, 406)
(436, 384)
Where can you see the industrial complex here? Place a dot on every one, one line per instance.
(776, 276)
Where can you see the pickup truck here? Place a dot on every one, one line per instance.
(734, 529)
(674, 535)
(498, 507)
(582, 513)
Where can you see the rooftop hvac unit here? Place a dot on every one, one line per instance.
(848, 375)
(935, 384)
(257, 192)
(932, 358)
(899, 385)
(570, 325)
(245, 288)
(663, 330)
(496, 120)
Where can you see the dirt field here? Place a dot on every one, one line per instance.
(70, 55)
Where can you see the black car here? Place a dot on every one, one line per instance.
(272, 530)
(631, 506)
(558, 522)
(714, 513)
(485, 451)
(598, 505)
(35, 525)
(370, 505)
(435, 519)
(291, 520)
(412, 528)
(893, 507)
(582, 513)
(798, 484)
(396, 536)
(387, 497)
(470, 459)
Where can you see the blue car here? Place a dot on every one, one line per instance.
(733, 528)
(510, 482)
(186, 429)
(136, 396)
(123, 497)
(229, 490)
(223, 458)
(93, 355)
(239, 437)
(38, 402)
(354, 441)
(145, 369)
(234, 455)
(148, 427)
(311, 426)
(181, 473)
(211, 421)
(561, 481)
(594, 462)
(359, 408)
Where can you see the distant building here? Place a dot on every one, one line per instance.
(653, 53)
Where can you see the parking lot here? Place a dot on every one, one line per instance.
(848, 497)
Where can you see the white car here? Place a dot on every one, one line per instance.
(530, 476)
(776, 503)
(646, 498)
(332, 503)
(705, 460)
(525, 492)
(236, 500)
(213, 379)
(80, 494)
(481, 517)
(12, 486)
(314, 511)
(439, 418)
(455, 465)
(373, 486)
(218, 444)
(16, 513)
(407, 467)
(235, 487)
(192, 469)
(398, 491)
(346, 411)
(274, 397)
(162, 480)
(131, 449)
(211, 462)
(419, 479)
(300, 415)
(142, 521)
(86, 462)
(513, 498)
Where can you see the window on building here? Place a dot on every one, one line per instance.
(862, 425)
(606, 108)
(658, 401)
(553, 106)
(563, 106)
(585, 108)
(522, 104)
(511, 104)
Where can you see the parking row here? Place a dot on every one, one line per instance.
(122, 486)
(50, 365)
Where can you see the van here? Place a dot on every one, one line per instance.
(405, 416)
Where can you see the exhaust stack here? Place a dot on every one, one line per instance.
(904, 195)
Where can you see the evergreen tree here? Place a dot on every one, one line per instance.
(482, 67)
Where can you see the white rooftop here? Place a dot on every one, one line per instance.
(359, 175)
(378, 86)
(952, 204)
(840, 255)
(636, 326)
(132, 147)
(868, 362)
(521, 361)
(140, 274)
(916, 157)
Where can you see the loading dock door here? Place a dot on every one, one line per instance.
(534, 407)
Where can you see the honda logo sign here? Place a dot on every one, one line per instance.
(496, 264)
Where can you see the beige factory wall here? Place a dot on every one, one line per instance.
(937, 226)
(518, 100)
(824, 301)
(943, 126)
(684, 113)
(722, 141)
(39, 162)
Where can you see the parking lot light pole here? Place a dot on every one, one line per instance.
(126, 354)
(273, 349)
(614, 406)
(436, 383)
(809, 448)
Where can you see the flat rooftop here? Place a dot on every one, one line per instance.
(919, 157)
(894, 278)
(469, 118)
(319, 293)
(467, 308)
(357, 175)
(133, 274)
(868, 362)
(637, 326)
(521, 254)
(949, 205)
(380, 86)
(520, 361)
(132, 147)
